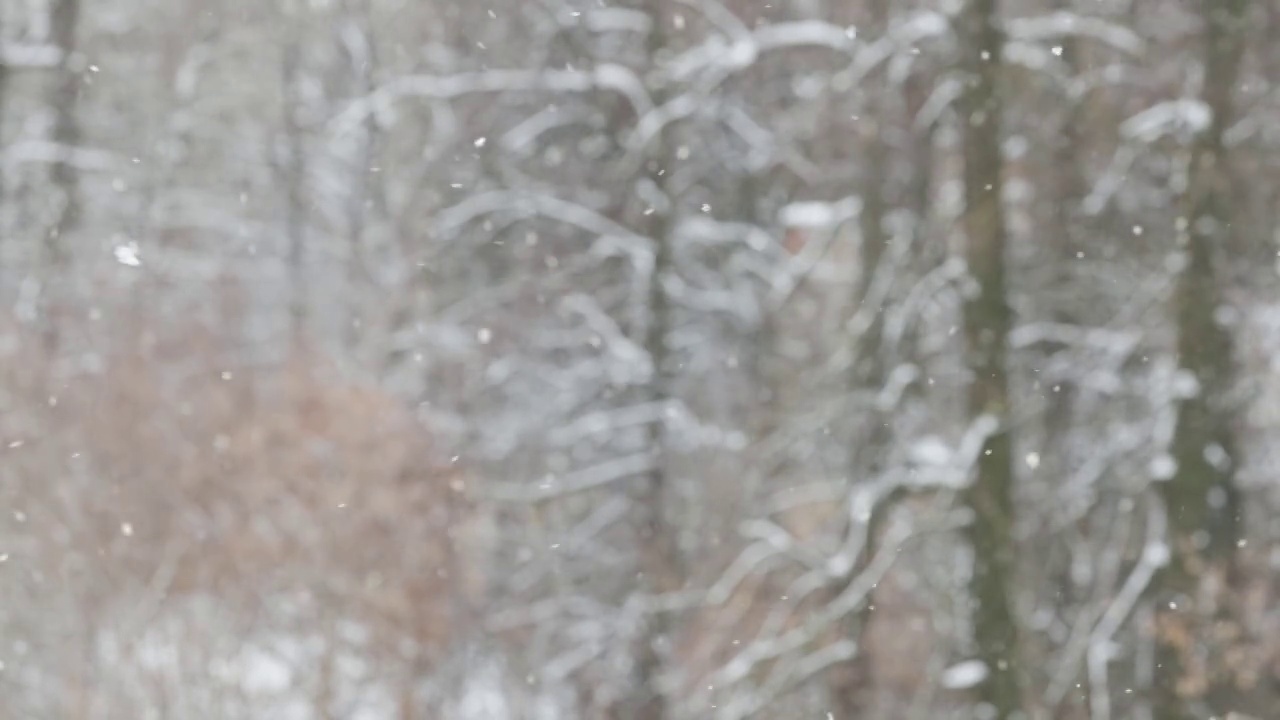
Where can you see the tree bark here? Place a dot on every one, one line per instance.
(987, 321)
(64, 20)
(1192, 592)
(852, 683)
(659, 554)
(295, 172)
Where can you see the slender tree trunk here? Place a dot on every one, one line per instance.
(294, 172)
(1203, 502)
(659, 551)
(64, 20)
(361, 50)
(851, 683)
(660, 565)
(987, 321)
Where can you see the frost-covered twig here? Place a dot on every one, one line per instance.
(1184, 117)
(41, 151)
(720, 57)
(451, 220)
(1064, 23)
(584, 480)
(611, 77)
(31, 56)
(1155, 555)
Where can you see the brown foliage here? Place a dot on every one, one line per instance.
(171, 466)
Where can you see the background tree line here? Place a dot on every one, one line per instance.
(639, 359)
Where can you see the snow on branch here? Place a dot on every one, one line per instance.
(1182, 116)
(805, 33)
(944, 94)
(652, 122)
(720, 16)
(711, 230)
(40, 151)
(584, 480)
(611, 77)
(820, 214)
(751, 701)
(1118, 342)
(1155, 555)
(740, 666)
(1068, 24)
(915, 29)
(452, 219)
(728, 56)
(522, 137)
(603, 20)
(26, 55)
(606, 421)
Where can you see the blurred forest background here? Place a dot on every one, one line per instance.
(639, 359)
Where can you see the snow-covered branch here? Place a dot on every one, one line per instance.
(615, 78)
(1063, 23)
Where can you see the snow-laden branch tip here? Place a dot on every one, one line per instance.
(584, 480)
(805, 33)
(1185, 116)
(779, 539)
(710, 230)
(849, 599)
(40, 151)
(724, 19)
(965, 674)
(1155, 555)
(1110, 182)
(454, 218)
(606, 421)
(603, 20)
(726, 56)
(936, 464)
(944, 95)
(917, 28)
(652, 122)
(522, 137)
(1113, 341)
(1064, 23)
(26, 55)
(634, 360)
(612, 77)
(809, 215)
(1034, 57)
(749, 702)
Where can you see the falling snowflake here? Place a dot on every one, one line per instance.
(127, 254)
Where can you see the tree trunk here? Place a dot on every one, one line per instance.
(64, 20)
(294, 172)
(1192, 593)
(851, 683)
(987, 321)
(659, 556)
(362, 54)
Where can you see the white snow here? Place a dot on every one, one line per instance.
(127, 254)
(1162, 467)
(964, 675)
(1185, 115)
(819, 214)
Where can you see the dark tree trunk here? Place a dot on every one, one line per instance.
(294, 173)
(64, 21)
(659, 554)
(987, 321)
(1203, 502)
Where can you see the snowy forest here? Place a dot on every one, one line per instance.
(639, 359)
